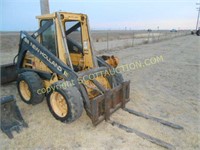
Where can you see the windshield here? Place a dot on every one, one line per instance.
(73, 35)
(48, 38)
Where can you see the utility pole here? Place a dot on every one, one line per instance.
(198, 9)
(44, 6)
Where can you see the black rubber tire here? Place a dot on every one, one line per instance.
(74, 102)
(198, 32)
(34, 83)
(119, 78)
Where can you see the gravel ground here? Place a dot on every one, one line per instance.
(168, 89)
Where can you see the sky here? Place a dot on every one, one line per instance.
(16, 15)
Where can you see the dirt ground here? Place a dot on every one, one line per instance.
(168, 90)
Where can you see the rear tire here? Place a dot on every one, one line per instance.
(198, 32)
(65, 104)
(119, 78)
(28, 83)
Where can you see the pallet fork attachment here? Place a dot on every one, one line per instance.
(144, 135)
(103, 106)
(11, 118)
(166, 123)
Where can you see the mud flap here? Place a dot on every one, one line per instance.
(11, 118)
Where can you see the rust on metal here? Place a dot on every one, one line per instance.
(104, 105)
(143, 135)
(166, 123)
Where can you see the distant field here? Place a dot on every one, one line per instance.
(102, 40)
(10, 40)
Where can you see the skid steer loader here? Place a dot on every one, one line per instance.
(57, 62)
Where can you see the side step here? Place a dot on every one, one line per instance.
(143, 135)
(166, 123)
(11, 118)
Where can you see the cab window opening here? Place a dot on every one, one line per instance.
(48, 38)
(74, 36)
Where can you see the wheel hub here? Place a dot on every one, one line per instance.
(25, 91)
(58, 104)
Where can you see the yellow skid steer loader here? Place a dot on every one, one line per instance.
(57, 62)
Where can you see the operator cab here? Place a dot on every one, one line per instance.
(78, 51)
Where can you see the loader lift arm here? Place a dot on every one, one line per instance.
(28, 43)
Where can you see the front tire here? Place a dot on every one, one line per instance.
(28, 83)
(198, 32)
(65, 104)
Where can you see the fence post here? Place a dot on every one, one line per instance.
(148, 36)
(133, 39)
